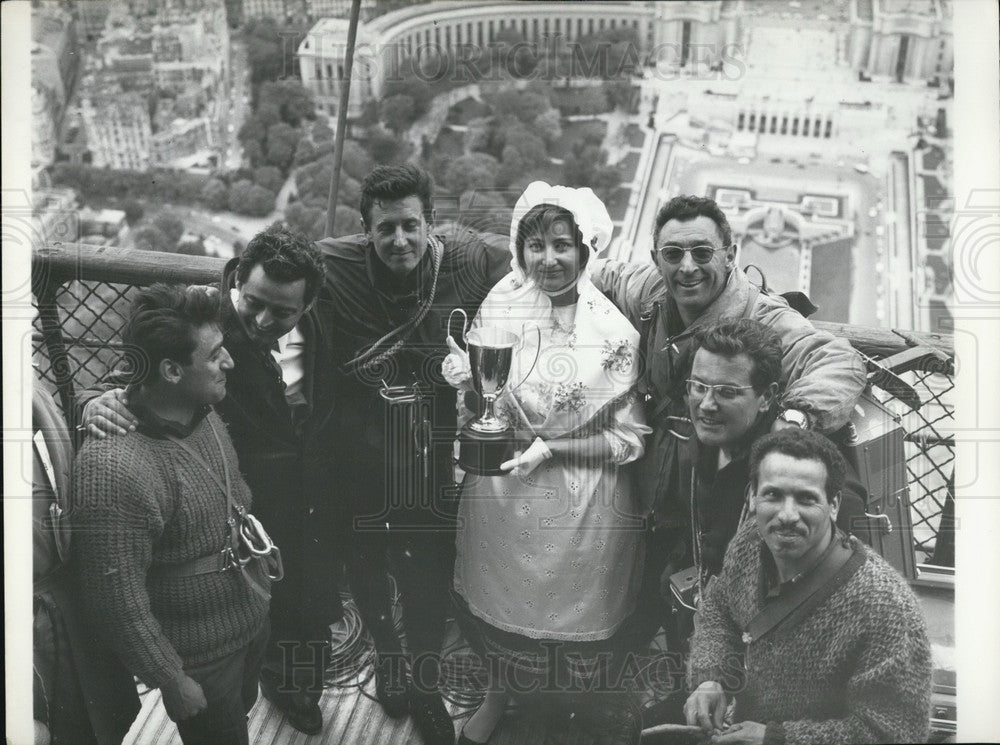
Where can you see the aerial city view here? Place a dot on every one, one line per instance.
(213, 144)
(821, 128)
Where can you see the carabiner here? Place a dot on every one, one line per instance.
(236, 561)
(255, 538)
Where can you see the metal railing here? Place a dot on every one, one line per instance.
(82, 294)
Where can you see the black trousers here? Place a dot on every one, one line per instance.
(422, 563)
(404, 501)
(230, 686)
(307, 600)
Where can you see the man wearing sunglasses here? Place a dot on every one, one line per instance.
(693, 283)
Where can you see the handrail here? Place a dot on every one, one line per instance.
(127, 266)
(65, 261)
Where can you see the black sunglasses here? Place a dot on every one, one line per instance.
(675, 254)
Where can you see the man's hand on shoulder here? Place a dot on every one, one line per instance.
(108, 415)
(741, 733)
(183, 697)
(706, 706)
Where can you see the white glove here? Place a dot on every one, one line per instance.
(455, 367)
(524, 463)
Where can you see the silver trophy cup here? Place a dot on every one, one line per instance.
(489, 439)
(491, 352)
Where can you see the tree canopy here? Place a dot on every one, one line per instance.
(271, 49)
(398, 112)
(476, 170)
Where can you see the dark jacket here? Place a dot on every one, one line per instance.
(361, 303)
(285, 459)
(288, 459)
(720, 495)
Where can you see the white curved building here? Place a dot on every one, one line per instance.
(905, 40)
(675, 33)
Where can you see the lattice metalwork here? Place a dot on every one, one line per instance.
(91, 316)
(930, 453)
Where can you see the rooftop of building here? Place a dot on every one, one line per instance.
(102, 215)
(907, 7)
(50, 25)
(333, 28)
(390, 19)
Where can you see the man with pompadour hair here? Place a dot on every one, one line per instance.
(816, 637)
(388, 296)
(155, 549)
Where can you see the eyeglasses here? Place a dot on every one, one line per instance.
(697, 389)
(675, 254)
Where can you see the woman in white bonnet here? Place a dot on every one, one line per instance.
(551, 552)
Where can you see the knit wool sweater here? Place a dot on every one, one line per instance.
(140, 500)
(857, 669)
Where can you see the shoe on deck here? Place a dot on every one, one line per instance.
(392, 688)
(301, 709)
(431, 719)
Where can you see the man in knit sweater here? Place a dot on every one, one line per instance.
(279, 410)
(851, 664)
(731, 395)
(153, 548)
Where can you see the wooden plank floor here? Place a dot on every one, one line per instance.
(350, 717)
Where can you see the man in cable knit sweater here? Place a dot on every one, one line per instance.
(150, 512)
(851, 666)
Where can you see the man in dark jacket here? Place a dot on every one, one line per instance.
(388, 298)
(732, 389)
(278, 409)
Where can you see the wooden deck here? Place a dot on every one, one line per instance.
(352, 716)
(348, 717)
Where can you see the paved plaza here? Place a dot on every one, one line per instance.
(851, 148)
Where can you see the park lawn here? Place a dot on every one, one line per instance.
(634, 134)
(617, 202)
(627, 166)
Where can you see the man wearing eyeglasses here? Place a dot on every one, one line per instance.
(731, 392)
(693, 283)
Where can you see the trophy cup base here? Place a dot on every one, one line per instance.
(482, 453)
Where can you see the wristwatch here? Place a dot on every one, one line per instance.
(793, 416)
